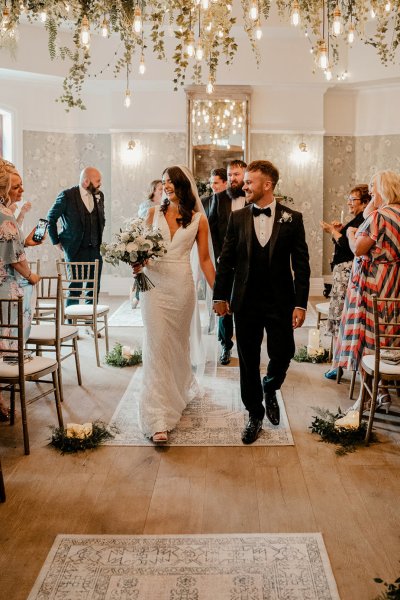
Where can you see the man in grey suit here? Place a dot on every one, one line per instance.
(81, 212)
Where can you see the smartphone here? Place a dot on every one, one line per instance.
(40, 230)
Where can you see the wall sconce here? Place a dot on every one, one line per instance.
(132, 153)
(131, 144)
(300, 154)
(303, 147)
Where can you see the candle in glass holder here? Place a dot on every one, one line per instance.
(313, 341)
(342, 217)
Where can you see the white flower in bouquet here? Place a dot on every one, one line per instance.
(135, 244)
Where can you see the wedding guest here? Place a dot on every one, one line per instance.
(225, 202)
(376, 271)
(153, 198)
(342, 260)
(263, 277)
(15, 194)
(218, 183)
(81, 212)
(16, 277)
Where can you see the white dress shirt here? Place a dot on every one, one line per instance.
(263, 224)
(87, 198)
(237, 203)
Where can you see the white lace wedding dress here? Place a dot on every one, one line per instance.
(167, 310)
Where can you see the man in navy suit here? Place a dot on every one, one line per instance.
(81, 212)
(263, 276)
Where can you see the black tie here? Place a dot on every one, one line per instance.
(261, 211)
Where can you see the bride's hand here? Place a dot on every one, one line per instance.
(137, 268)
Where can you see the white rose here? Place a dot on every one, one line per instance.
(132, 247)
(125, 237)
(120, 247)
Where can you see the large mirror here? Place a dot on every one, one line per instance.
(217, 127)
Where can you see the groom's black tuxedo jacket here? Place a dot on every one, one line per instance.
(289, 269)
(70, 208)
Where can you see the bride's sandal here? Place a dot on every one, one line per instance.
(160, 437)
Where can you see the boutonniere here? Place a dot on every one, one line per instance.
(285, 218)
(97, 196)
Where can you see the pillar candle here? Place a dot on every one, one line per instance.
(313, 340)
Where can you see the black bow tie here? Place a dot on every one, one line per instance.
(261, 211)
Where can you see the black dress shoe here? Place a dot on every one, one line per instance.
(272, 407)
(225, 357)
(251, 431)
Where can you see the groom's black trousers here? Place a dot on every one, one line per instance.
(250, 323)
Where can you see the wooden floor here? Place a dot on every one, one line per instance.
(353, 500)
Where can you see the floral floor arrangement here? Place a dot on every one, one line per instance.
(347, 439)
(392, 590)
(320, 356)
(123, 356)
(76, 437)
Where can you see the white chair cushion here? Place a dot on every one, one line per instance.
(47, 304)
(369, 361)
(37, 364)
(84, 310)
(322, 307)
(47, 332)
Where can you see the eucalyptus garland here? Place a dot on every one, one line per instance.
(347, 440)
(116, 357)
(100, 434)
(392, 590)
(302, 355)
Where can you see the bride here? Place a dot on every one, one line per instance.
(169, 309)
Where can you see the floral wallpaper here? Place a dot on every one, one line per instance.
(318, 180)
(349, 161)
(300, 178)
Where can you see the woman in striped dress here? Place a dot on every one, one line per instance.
(376, 271)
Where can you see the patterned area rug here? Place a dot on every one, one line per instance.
(186, 567)
(216, 419)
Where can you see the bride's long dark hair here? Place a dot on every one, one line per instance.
(183, 191)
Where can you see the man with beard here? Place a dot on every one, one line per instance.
(263, 278)
(224, 203)
(81, 211)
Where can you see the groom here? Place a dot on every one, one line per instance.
(263, 278)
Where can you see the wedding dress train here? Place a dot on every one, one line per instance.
(167, 310)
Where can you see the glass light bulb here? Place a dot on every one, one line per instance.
(142, 66)
(85, 32)
(337, 26)
(67, 7)
(372, 13)
(220, 33)
(190, 45)
(210, 87)
(205, 4)
(104, 28)
(137, 20)
(388, 6)
(323, 60)
(229, 7)
(328, 74)
(253, 13)
(259, 32)
(295, 14)
(43, 16)
(199, 51)
(351, 34)
(127, 100)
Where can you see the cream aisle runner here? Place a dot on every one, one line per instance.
(216, 419)
(290, 566)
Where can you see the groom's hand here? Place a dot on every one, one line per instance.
(298, 317)
(221, 308)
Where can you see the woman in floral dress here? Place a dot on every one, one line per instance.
(376, 271)
(15, 274)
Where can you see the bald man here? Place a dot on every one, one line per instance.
(80, 210)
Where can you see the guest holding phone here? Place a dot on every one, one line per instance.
(16, 278)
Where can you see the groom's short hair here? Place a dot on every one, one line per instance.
(267, 168)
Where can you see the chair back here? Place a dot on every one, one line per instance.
(386, 326)
(34, 266)
(12, 332)
(75, 277)
(49, 290)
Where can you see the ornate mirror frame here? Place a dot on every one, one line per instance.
(221, 93)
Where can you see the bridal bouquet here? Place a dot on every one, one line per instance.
(135, 244)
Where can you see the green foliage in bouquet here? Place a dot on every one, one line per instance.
(347, 440)
(303, 356)
(100, 433)
(392, 591)
(116, 358)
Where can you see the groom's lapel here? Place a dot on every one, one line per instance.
(275, 230)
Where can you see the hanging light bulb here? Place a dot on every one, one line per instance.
(372, 12)
(328, 73)
(388, 6)
(43, 16)
(210, 86)
(253, 13)
(137, 20)
(337, 26)
(351, 34)
(205, 4)
(142, 66)
(127, 99)
(229, 7)
(104, 28)
(5, 21)
(220, 33)
(190, 44)
(67, 7)
(259, 32)
(199, 50)
(323, 60)
(295, 14)
(85, 32)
